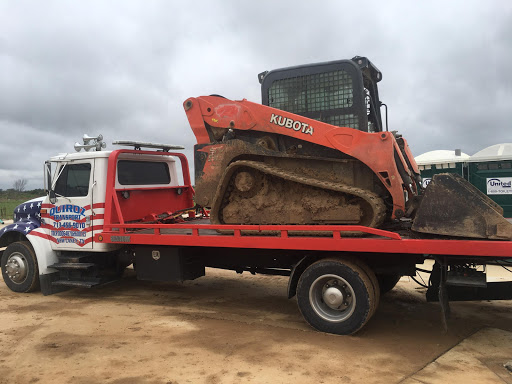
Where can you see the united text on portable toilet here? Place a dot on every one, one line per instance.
(490, 170)
(441, 161)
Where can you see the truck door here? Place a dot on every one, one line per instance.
(70, 220)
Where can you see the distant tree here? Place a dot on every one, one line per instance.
(19, 185)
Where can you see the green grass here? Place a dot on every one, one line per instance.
(10, 200)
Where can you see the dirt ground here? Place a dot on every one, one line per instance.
(229, 328)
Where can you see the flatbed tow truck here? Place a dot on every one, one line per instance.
(105, 210)
(309, 184)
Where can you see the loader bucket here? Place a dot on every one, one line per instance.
(451, 206)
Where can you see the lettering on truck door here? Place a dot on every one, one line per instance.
(69, 221)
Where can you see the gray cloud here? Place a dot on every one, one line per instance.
(123, 68)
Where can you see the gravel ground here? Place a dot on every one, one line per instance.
(222, 328)
(229, 328)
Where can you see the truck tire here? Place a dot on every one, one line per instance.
(19, 267)
(387, 282)
(375, 282)
(336, 296)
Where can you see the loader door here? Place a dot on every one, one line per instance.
(69, 216)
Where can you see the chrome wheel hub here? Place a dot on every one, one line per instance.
(16, 268)
(332, 298)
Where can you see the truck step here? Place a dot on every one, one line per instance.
(75, 283)
(74, 266)
(75, 258)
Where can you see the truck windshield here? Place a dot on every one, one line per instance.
(73, 180)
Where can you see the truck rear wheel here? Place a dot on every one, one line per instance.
(373, 279)
(336, 296)
(19, 267)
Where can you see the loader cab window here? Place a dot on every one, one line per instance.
(313, 93)
(372, 103)
(73, 180)
(321, 96)
(372, 112)
(131, 172)
(331, 92)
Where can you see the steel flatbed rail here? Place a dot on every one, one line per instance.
(287, 238)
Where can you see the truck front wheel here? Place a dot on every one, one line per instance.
(19, 267)
(336, 296)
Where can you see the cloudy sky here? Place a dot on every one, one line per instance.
(123, 68)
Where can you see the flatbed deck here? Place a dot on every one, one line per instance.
(200, 233)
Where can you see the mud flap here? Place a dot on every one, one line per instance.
(451, 206)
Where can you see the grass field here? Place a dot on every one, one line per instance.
(10, 200)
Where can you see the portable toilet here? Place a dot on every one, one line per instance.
(441, 161)
(490, 170)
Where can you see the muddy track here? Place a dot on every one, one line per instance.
(225, 188)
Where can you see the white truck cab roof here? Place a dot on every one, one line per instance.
(80, 155)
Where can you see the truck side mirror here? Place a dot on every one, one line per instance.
(48, 182)
(53, 196)
(47, 176)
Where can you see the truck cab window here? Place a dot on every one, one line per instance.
(74, 180)
(130, 172)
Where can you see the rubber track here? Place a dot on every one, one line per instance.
(376, 203)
